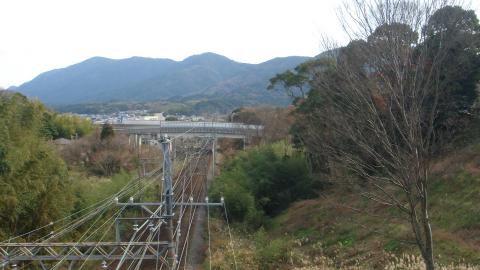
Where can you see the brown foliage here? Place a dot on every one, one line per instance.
(377, 107)
(100, 157)
(276, 121)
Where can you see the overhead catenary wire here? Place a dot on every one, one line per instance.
(103, 236)
(116, 216)
(156, 229)
(48, 237)
(183, 134)
(102, 202)
(120, 263)
(82, 238)
(209, 241)
(187, 184)
(230, 236)
(186, 180)
(186, 243)
(179, 175)
(87, 236)
(151, 236)
(196, 190)
(131, 185)
(178, 197)
(181, 178)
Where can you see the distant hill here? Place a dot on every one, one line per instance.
(206, 76)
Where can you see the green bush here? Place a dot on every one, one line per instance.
(262, 182)
(107, 132)
(34, 185)
(54, 126)
(68, 126)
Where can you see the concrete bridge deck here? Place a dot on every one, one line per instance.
(188, 129)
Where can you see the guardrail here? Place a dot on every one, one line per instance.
(175, 127)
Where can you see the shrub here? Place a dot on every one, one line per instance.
(34, 187)
(100, 157)
(261, 183)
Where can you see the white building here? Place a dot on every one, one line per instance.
(154, 117)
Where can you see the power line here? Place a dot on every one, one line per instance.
(173, 205)
(230, 236)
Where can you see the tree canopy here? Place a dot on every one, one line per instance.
(381, 107)
(33, 179)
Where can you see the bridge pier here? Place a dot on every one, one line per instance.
(214, 160)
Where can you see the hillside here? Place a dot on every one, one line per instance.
(204, 76)
(342, 230)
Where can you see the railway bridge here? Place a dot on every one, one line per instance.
(189, 129)
(147, 131)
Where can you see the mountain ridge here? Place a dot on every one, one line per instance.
(101, 79)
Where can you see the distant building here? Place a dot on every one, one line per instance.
(154, 117)
(195, 118)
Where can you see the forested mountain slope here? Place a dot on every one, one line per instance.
(206, 75)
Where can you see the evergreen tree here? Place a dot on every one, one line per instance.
(107, 132)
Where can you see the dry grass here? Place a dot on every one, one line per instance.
(302, 257)
(416, 263)
(336, 232)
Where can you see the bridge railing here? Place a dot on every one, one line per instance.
(192, 127)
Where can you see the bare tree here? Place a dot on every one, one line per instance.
(276, 123)
(377, 103)
(102, 157)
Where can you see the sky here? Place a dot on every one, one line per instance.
(37, 36)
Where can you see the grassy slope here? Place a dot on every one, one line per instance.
(334, 231)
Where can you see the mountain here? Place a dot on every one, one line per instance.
(204, 76)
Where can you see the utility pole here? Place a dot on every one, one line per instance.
(174, 156)
(167, 195)
(214, 146)
(139, 145)
(165, 250)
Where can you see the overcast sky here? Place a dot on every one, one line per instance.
(38, 36)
